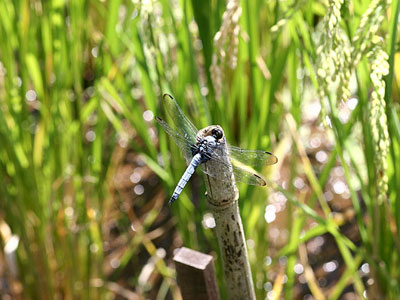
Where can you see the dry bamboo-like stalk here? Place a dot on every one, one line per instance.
(222, 197)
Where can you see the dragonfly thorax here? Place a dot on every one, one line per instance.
(205, 147)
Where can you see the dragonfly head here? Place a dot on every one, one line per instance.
(214, 131)
(217, 133)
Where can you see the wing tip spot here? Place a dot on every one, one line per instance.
(260, 179)
(273, 155)
(167, 95)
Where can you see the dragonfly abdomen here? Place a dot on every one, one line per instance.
(194, 163)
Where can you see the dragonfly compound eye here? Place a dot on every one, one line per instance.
(217, 133)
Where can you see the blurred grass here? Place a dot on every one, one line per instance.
(75, 81)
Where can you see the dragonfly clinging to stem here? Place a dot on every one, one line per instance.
(200, 151)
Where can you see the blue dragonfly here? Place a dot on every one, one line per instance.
(199, 151)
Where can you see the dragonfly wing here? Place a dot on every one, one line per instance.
(222, 172)
(243, 165)
(184, 144)
(248, 176)
(246, 161)
(251, 158)
(241, 172)
(181, 122)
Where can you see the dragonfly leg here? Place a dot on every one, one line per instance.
(205, 157)
(195, 149)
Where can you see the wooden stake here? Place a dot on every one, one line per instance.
(196, 275)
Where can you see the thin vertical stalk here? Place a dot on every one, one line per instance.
(222, 197)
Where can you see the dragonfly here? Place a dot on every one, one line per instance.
(200, 151)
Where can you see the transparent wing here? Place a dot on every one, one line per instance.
(184, 144)
(251, 158)
(243, 162)
(241, 175)
(248, 176)
(181, 122)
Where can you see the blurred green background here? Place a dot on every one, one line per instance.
(86, 173)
